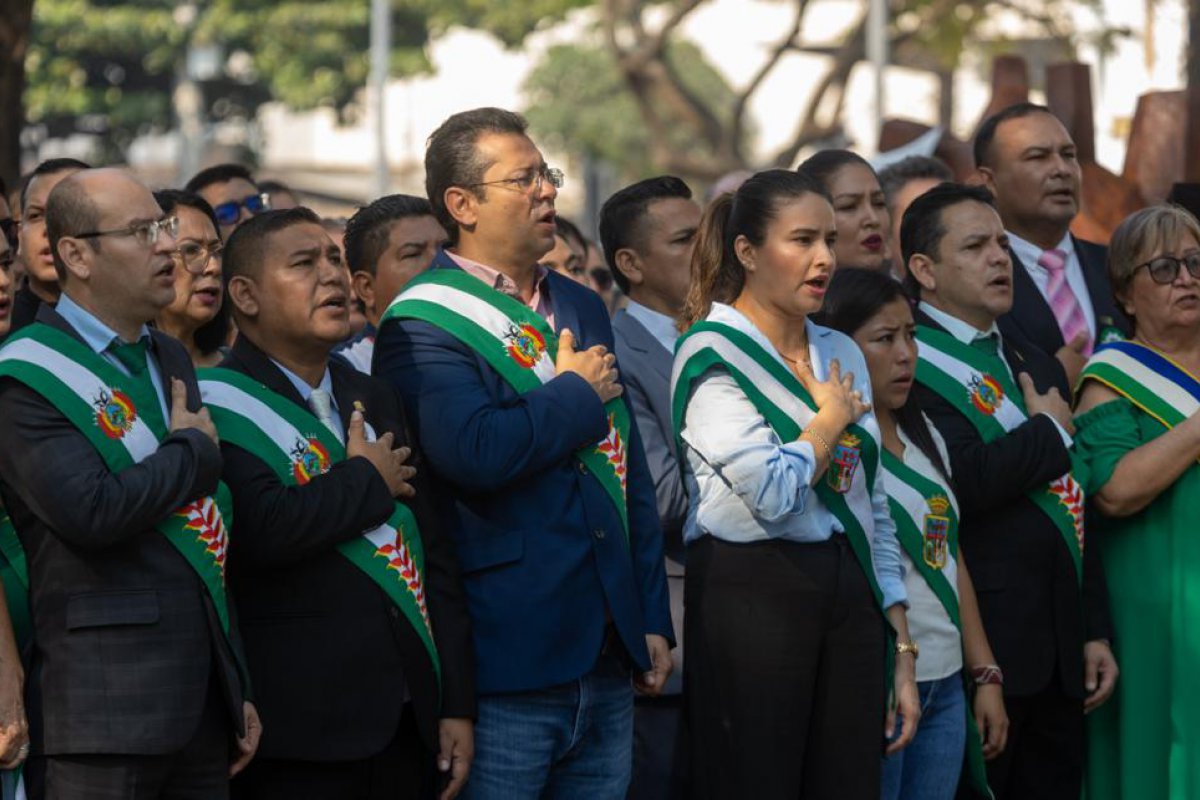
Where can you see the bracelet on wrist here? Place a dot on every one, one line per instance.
(820, 440)
(908, 647)
(987, 675)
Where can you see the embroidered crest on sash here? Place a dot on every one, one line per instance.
(986, 393)
(205, 519)
(525, 345)
(399, 558)
(1070, 494)
(613, 448)
(115, 413)
(935, 535)
(309, 459)
(846, 457)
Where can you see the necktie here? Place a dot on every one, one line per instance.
(132, 356)
(986, 344)
(1063, 302)
(322, 405)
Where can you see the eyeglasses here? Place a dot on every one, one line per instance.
(146, 233)
(195, 257)
(8, 226)
(228, 213)
(532, 181)
(1165, 269)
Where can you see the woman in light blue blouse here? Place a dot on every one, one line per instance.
(792, 555)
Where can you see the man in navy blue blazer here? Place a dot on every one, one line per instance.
(568, 609)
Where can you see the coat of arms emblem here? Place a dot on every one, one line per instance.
(115, 413)
(524, 344)
(846, 456)
(935, 537)
(986, 393)
(309, 459)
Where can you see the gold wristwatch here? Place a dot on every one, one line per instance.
(908, 647)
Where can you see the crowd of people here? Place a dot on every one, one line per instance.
(447, 500)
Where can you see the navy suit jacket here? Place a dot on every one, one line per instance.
(1031, 318)
(542, 548)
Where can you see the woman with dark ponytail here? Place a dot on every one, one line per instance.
(792, 556)
(943, 615)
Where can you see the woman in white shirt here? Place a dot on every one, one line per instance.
(792, 555)
(873, 309)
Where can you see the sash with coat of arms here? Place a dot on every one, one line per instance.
(980, 387)
(517, 343)
(123, 420)
(299, 448)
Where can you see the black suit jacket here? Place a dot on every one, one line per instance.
(1031, 318)
(329, 652)
(1035, 616)
(126, 638)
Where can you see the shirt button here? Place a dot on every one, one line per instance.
(395, 612)
(582, 467)
(598, 533)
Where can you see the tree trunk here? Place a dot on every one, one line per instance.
(16, 18)
(1191, 166)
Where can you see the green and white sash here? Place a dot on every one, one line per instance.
(926, 516)
(298, 447)
(15, 574)
(979, 386)
(1147, 378)
(519, 345)
(123, 420)
(787, 406)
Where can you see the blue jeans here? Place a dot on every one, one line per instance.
(928, 769)
(571, 741)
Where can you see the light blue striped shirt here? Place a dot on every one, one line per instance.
(745, 485)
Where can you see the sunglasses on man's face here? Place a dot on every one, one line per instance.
(8, 227)
(228, 213)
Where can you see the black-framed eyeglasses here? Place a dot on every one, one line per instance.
(531, 182)
(195, 256)
(146, 233)
(10, 228)
(228, 213)
(1165, 269)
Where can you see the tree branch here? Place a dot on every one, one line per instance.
(741, 103)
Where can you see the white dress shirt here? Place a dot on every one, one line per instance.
(1029, 253)
(306, 391)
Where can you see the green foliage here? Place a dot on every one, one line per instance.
(118, 61)
(577, 103)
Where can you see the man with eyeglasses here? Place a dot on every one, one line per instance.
(233, 194)
(506, 370)
(111, 474)
(41, 280)
(1062, 298)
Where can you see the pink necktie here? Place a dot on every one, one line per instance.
(1063, 302)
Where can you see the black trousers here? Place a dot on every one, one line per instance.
(403, 770)
(659, 749)
(783, 672)
(1043, 759)
(200, 771)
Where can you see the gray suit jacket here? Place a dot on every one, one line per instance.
(646, 369)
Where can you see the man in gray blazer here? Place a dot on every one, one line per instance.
(648, 230)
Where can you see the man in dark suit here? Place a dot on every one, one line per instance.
(1062, 299)
(349, 691)
(41, 280)
(560, 546)
(134, 686)
(648, 230)
(1044, 606)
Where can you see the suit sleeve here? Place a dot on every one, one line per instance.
(670, 496)
(479, 443)
(447, 601)
(1097, 616)
(57, 472)
(646, 541)
(276, 524)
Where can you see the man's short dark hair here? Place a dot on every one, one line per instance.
(452, 159)
(246, 248)
(622, 215)
(922, 231)
(221, 173)
(50, 166)
(368, 230)
(982, 149)
(70, 211)
(272, 185)
(914, 168)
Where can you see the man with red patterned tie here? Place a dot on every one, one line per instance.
(1062, 300)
